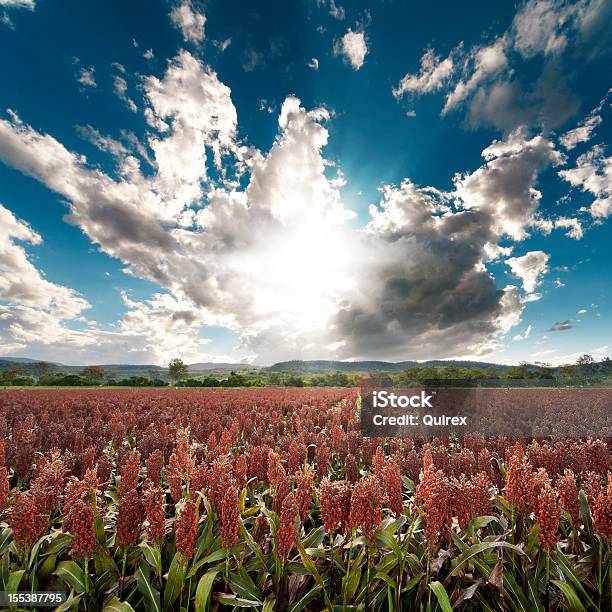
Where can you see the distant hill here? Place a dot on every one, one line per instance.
(373, 366)
(123, 370)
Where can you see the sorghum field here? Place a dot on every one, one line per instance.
(271, 499)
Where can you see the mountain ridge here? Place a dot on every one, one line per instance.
(304, 366)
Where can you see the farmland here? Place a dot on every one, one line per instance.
(271, 499)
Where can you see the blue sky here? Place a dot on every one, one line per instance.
(310, 179)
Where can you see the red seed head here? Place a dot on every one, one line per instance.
(602, 512)
(129, 519)
(25, 521)
(83, 530)
(366, 507)
(546, 515)
(186, 528)
(286, 530)
(129, 472)
(153, 502)
(393, 486)
(155, 463)
(230, 517)
(4, 488)
(335, 504)
(568, 495)
(304, 479)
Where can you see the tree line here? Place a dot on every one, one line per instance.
(586, 371)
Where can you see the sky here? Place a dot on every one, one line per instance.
(315, 179)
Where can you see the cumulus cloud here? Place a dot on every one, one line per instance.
(190, 22)
(314, 63)
(573, 226)
(413, 296)
(484, 79)
(592, 173)
(21, 282)
(86, 77)
(352, 47)
(486, 62)
(529, 268)
(273, 257)
(432, 76)
(505, 186)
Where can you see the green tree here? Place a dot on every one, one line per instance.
(93, 375)
(41, 368)
(177, 370)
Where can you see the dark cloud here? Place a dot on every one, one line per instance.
(562, 326)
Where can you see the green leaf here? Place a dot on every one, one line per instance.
(47, 566)
(476, 549)
(115, 605)
(243, 586)
(71, 602)
(150, 594)
(237, 602)
(60, 542)
(6, 537)
(14, 580)
(481, 521)
(305, 599)
(569, 593)
(175, 581)
(308, 562)
(585, 514)
(564, 567)
(440, 593)
(269, 604)
(153, 557)
(352, 581)
(203, 590)
(71, 574)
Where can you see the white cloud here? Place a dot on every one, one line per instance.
(573, 226)
(505, 187)
(593, 174)
(524, 335)
(487, 61)
(487, 79)
(120, 89)
(433, 76)
(191, 22)
(584, 131)
(353, 48)
(272, 257)
(529, 268)
(29, 4)
(21, 282)
(582, 311)
(86, 77)
(102, 143)
(314, 63)
(335, 10)
(538, 27)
